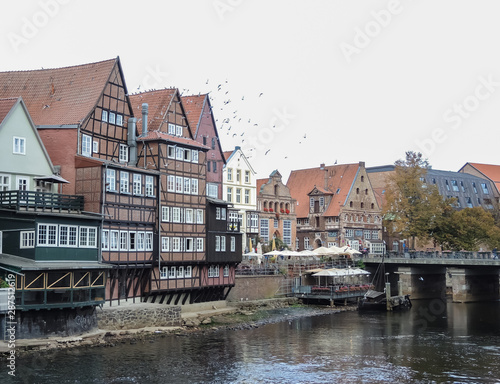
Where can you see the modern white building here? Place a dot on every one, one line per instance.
(240, 189)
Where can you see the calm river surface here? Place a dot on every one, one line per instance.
(433, 342)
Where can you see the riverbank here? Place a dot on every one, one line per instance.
(239, 316)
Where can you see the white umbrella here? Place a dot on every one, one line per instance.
(323, 251)
(359, 271)
(307, 252)
(273, 253)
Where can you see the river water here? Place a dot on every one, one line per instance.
(434, 342)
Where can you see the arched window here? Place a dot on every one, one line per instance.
(276, 190)
(350, 204)
(357, 191)
(373, 206)
(362, 205)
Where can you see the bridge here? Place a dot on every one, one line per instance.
(472, 276)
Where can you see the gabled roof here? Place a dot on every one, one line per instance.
(229, 155)
(193, 106)
(5, 107)
(60, 96)
(159, 102)
(260, 183)
(338, 178)
(489, 171)
(320, 190)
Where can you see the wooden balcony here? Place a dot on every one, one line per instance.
(41, 201)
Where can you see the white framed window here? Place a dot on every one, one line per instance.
(124, 182)
(217, 213)
(88, 237)
(119, 120)
(176, 244)
(199, 216)
(150, 186)
(86, 145)
(188, 217)
(132, 241)
(27, 239)
(172, 273)
(367, 234)
(247, 196)
(180, 272)
(194, 156)
(223, 213)
(123, 153)
(485, 188)
(238, 195)
(189, 244)
(165, 214)
(375, 235)
(187, 184)
(238, 175)
(194, 186)
(114, 240)
(95, 146)
(47, 235)
(171, 129)
(137, 184)
(68, 235)
(171, 151)
(164, 273)
(264, 229)
(230, 174)
(165, 244)
(225, 271)
(247, 177)
(349, 233)
(176, 214)
(287, 232)
(199, 244)
(123, 241)
(111, 180)
(189, 271)
(229, 197)
(141, 241)
(306, 243)
(170, 183)
(104, 116)
(233, 244)
(149, 241)
(178, 130)
(223, 243)
(187, 155)
(112, 118)
(179, 153)
(22, 183)
(19, 145)
(178, 184)
(311, 202)
(4, 182)
(217, 243)
(105, 240)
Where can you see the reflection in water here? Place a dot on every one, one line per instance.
(433, 342)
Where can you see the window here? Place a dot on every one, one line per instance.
(230, 174)
(306, 243)
(217, 243)
(150, 186)
(119, 120)
(105, 239)
(88, 237)
(247, 196)
(462, 186)
(104, 116)
(287, 232)
(368, 234)
(311, 202)
(68, 235)
(468, 202)
(132, 241)
(474, 187)
(86, 145)
(163, 272)
(171, 152)
(111, 180)
(95, 146)
(375, 235)
(213, 142)
(187, 184)
(484, 188)
(123, 155)
(217, 213)
(321, 201)
(180, 272)
(27, 239)
(447, 185)
(199, 244)
(223, 213)
(165, 244)
(223, 243)
(226, 271)
(113, 240)
(208, 166)
(199, 216)
(187, 155)
(179, 153)
(189, 215)
(189, 271)
(124, 182)
(212, 190)
(247, 177)
(238, 175)
(123, 241)
(214, 168)
(229, 197)
(178, 130)
(454, 185)
(264, 229)
(349, 233)
(238, 195)
(233, 244)
(47, 234)
(112, 117)
(176, 214)
(141, 241)
(22, 184)
(194, 156)
(171, 129)
(137, 184)
(178, 184)
(4, 183)
(170, 183)
(172, 273)
(276, 223)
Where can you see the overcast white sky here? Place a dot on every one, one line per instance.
(319, 81)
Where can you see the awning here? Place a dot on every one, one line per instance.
(52, 179)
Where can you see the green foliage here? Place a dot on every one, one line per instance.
(360, 264)
(280, 245)
(3, 284)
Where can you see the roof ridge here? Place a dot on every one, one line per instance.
(153, 90)
(66, 67)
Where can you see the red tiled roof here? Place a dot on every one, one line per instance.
(227, 155)
(338, 178)
(156, 135)
(158, 104)
(5, 106)
(193, 107)
(260, 183)
(491, 171)
(61, 95)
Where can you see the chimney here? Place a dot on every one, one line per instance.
(144, 119)
(322, 166)
(132, 141)
(362, 164)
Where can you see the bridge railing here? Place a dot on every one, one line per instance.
(439, 255)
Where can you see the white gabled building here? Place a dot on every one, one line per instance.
(240, 189)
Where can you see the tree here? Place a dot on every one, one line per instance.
(411, 205)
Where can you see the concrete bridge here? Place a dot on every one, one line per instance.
(426, 275)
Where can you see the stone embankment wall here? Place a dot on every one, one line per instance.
(139, 316)
(255, 287)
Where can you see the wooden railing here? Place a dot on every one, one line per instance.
(40, 201)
